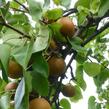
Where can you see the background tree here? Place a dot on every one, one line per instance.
(38, 37)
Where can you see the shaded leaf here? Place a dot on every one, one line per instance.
(28, 80)
(40, 65)
(39, 83)
(104, 7)
(4, 57)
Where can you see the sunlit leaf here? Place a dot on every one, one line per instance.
(91, 103)
(65, 104)
(4, 102)
(84, 3)
(19, 94)
(92, 68)
(35, 9)
(46, 3)
(54, 14)
(94, 6)
(78, 94)
(102, 77)
(22, 54)
(79, 77)
(42, 40)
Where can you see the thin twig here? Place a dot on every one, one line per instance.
(71, 72)
(21, 5)
(18, 31)
(70, 11)
(62, 77)
(95, 34)
(19, 10)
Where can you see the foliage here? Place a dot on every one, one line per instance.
(26, 29)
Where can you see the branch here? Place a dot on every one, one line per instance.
(18, 31)
(62, 77)
(15, 9)
(70, 11)
(95, 34)
(21, 5)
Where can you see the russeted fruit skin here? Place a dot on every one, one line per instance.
(11, 86)
(14, 70)
(53, 44)
(56, 66)
(68, 90)
(39, 103)
(67, 26)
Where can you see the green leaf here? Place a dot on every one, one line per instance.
(2, 86)
(102, 77)
(4, 10)
(94, 6)
(84, 3)
(4, 57)
(42, 39)
(91, 103)
(55, 27)
(65, 104)
(54, 14)
(82, 14)
(17, 18)
(77, 46)
(92, 68)
(2, 2)
(40, 65)
(46, 3)
(25, 103)
(79, 77)
(98, 106)
(22, 54)
(104, 7)
(28, 80)
(81, 58)
(13, 38)
(35, 9)
(20, 92)
(65, 3)
(39, 83)
(78, 94)
(14, 4)
(57, 2)
(4, 102)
